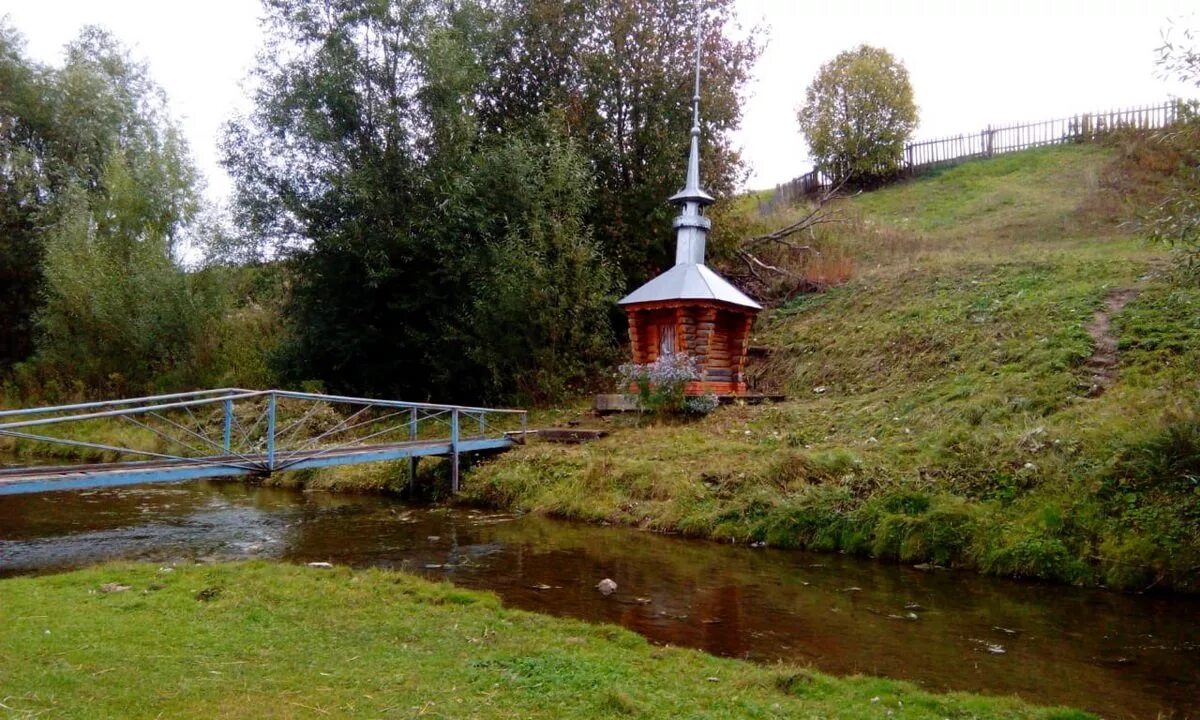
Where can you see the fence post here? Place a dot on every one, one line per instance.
(227, 436)
(271, 431)
(412, 460)
(454, 451)
(524, 426)
(908, 162)
(988, 145)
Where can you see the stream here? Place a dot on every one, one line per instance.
(1123, 656)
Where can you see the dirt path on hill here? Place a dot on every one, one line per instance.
(1102, 365)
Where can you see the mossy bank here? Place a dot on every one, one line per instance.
(953, 404)
(272, 640)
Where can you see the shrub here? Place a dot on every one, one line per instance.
(662, 385)
(911, 533)
(817, 519)
(1130, 562)
(701, 404)
(1176, 220)
(1037, 556)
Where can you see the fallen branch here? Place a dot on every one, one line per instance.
(752, 263)
(762, 276)
(818, 215)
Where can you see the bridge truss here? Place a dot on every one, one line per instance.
(229, 431)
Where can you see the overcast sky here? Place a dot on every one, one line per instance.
(972, 62)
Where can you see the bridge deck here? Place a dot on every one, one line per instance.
(30, 479)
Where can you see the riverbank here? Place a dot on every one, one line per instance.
(276, 640)
(1009, 386)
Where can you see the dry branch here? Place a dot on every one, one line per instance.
(760, 273)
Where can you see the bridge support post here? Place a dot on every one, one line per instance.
(227, 439)
(271, 432)
(454, 451)
(412, 461)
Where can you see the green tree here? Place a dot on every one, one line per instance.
(621, 74)
(101, 190)
(419, 238)
(1175, 221)
(24, 122)
(118, 312)
(351, 165)
(541, 309)
(857, 114)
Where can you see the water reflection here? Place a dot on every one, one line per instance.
(1119, 655)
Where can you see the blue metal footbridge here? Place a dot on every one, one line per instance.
(232, 432)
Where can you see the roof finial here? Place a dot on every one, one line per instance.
(693, 175)
(691, 227)
(691, 188)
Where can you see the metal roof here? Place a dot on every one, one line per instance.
(689, 281)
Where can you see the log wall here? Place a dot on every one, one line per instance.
(715, 335)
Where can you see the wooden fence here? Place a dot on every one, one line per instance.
(992, 141)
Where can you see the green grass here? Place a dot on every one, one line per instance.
(1002, 194)
(939, 405)
(270, 640)
(99, 432)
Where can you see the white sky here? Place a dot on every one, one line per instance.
(972, 62)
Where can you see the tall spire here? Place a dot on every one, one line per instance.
(689, 279)
(691, 227)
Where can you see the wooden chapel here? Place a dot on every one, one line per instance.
(689, 308)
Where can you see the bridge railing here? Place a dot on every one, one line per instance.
(257, 430)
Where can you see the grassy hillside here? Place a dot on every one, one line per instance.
(1008, 384)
